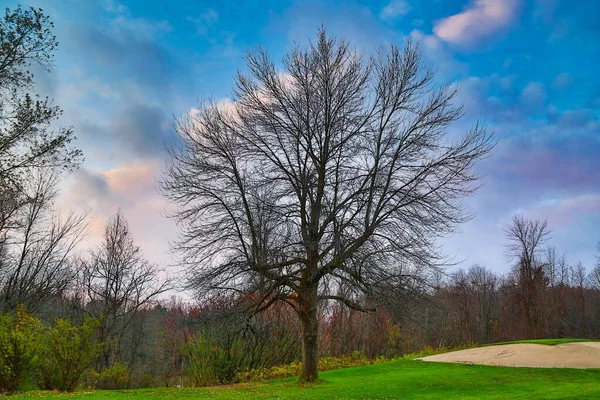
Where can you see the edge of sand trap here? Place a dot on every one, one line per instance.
(566, 355)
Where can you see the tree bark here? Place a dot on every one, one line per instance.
(310, 335)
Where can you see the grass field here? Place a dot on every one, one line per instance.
(405, 379)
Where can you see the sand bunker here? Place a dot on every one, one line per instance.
(567, 355)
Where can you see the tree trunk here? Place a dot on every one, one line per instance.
(310, 335)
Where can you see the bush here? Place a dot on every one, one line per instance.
(117, 376)
(210, 364)
(18, 352)
(202, 357)
(66, 351)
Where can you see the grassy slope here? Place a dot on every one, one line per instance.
(398, 379)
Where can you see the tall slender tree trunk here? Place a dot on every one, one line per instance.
(310, 335)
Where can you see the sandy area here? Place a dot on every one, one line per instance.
(567, 355)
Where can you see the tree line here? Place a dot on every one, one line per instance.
(220, 339)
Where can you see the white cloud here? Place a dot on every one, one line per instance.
(478, 22)
(395, 9)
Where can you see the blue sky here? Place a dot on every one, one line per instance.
(528, 69)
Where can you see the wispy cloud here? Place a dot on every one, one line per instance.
(480, 21)
(395, 9)
(205, 21)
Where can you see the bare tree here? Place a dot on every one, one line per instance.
(594, 277)
(526, 241)
(485, 284)
(30, 148)
(579, 282)
(556, 271)
(37, 263)
(326, 181)
(118, 282)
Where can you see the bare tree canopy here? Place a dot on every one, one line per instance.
(328, 180)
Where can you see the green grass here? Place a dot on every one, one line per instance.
(404, 379)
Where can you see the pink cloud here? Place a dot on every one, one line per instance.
(131, 188)
(478, 22)
(133, 180)
(563, 211)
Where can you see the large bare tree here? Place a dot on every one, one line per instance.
(329, 179)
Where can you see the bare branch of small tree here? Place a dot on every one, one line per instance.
(117, 283)
(37, 263)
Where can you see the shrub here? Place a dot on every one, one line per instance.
(66, 351)
(202, 358)
(18, 352)
(117, 376)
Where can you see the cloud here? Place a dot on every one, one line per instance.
(563, 211)
(436, 52)
(533, 95)
(558, 157)
(125, 56)
(480, 21)
(125, 48)
(357, 24)
(543, 169)
(562, 81)
(131, 188)
(205, 21)
(493, 98)
(395, 9)
(104, 190)
(142, 130)
(112, 6)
